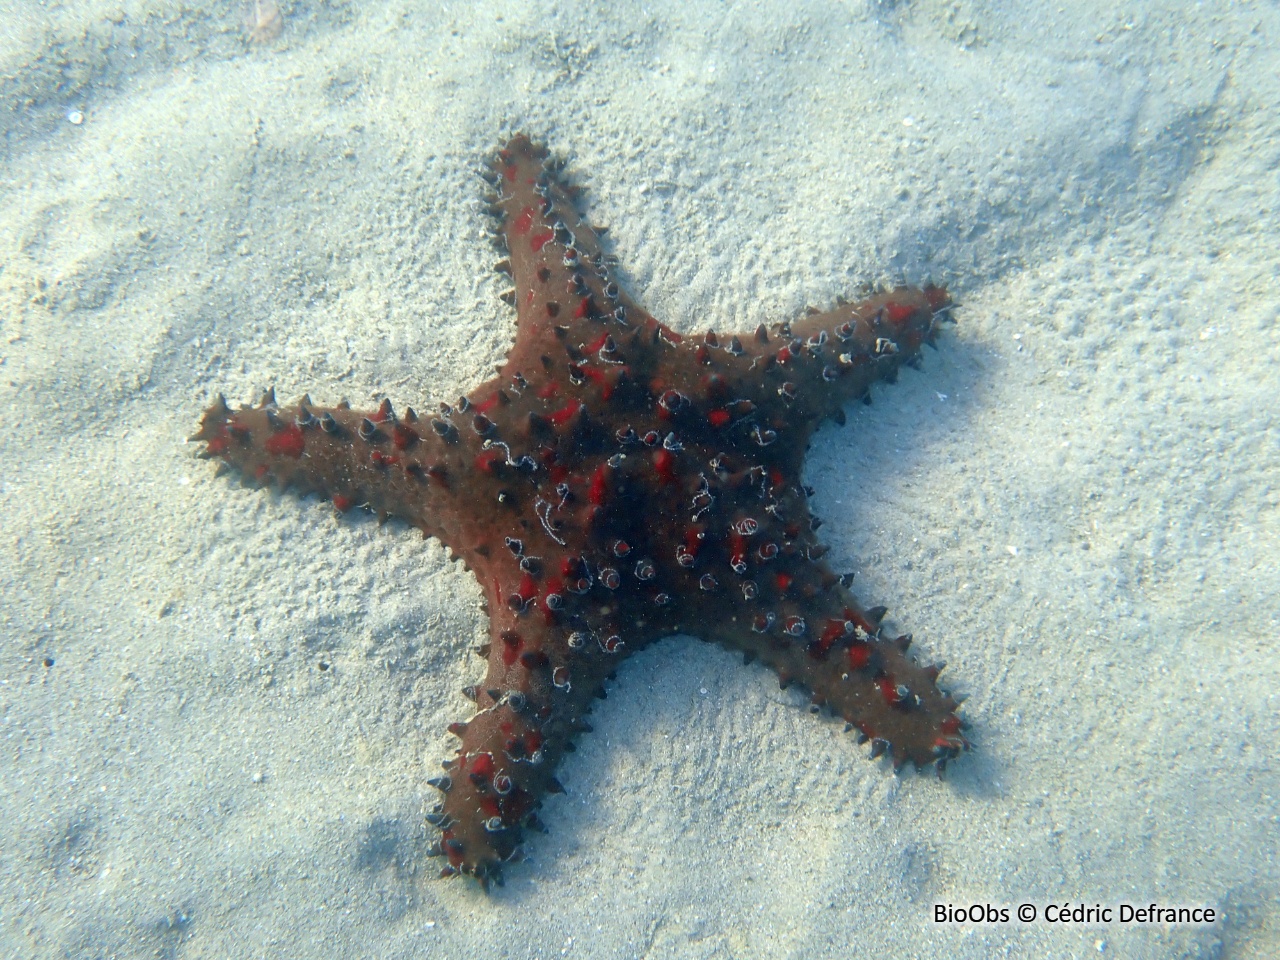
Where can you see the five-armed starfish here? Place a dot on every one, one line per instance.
(617, 483)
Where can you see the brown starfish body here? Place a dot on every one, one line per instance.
(617, 483)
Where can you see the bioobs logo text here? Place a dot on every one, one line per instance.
(974, 913)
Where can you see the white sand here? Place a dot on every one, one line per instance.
(1075, 503)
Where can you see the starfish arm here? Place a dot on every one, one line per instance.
(395, 466)
(836, 650)
(808, 368)
(546, 666)
(565, 293)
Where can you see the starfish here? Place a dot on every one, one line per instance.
(614, 484)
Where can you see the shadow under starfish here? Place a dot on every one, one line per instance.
(617, 483)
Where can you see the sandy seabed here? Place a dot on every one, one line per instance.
(219, 706)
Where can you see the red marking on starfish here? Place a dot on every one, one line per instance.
(889, 689)
(598, 490)
(599, 378)
(403, 437)
(693, 540)
(511, 644)
(289, 442)
(833, 632)
(664, 464)
(898, 313)
(566, 413)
